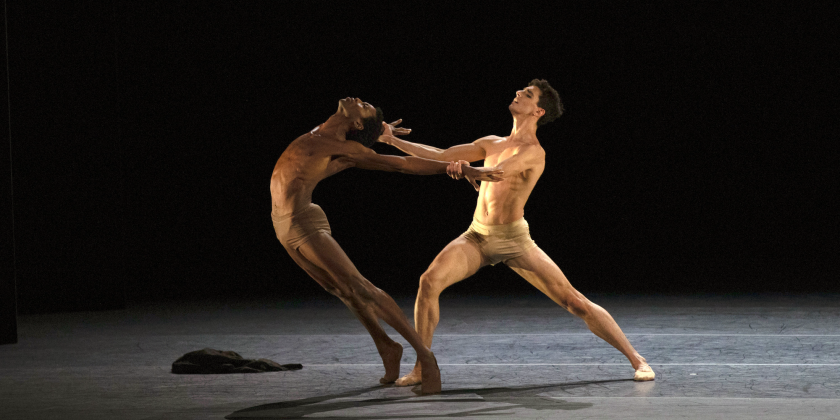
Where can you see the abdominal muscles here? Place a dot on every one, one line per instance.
(502, 202)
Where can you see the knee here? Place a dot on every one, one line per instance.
(340, 286)
(430, 286)
(337, 292)
(357, 288)
(577, 305)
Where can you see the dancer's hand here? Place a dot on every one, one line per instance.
(454, 170)
(462, 169)
(389, 130)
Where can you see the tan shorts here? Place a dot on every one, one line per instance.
(293, 230)
(500, 243)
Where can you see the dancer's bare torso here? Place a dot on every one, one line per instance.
(523, 161)
(305, 162)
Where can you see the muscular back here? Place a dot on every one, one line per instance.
(523, 162)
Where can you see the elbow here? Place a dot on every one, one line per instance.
(408, 170)
(406, 166)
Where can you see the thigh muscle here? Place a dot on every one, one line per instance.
(538, 269)
(460, 259)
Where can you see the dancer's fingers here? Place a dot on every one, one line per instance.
(450, 170)
(474, 184)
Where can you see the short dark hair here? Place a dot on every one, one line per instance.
(549, 101)
(371, 131)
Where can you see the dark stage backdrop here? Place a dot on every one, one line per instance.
(698, 152)
(67, 154)
(8, 298)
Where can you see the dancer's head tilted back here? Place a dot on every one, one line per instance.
(549, 100)
(538, 100)
(372, 130)
(365, 120)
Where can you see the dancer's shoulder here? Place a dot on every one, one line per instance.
(488, 141)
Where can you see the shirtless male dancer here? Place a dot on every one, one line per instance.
(302, 226)
(499, 232)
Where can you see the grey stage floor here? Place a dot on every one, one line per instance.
(725, 357)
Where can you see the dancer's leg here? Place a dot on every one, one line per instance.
(389, 350)
(457, 261)
(367, 301)
(538, 269)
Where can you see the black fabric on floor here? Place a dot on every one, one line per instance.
(208, 361)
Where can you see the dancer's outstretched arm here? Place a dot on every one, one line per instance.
(354, 154)
(419, 166)
(470, 152)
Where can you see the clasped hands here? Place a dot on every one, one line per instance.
(462, 169)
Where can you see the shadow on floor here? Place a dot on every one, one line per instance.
(453, 403)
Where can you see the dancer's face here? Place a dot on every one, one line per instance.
(525, 101)
(356, 110)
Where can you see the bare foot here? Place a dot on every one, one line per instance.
(413, 378)
(430, 376)
(391, 359)
(644, 373)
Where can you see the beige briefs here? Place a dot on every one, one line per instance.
(293, 230)
(500, 243)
